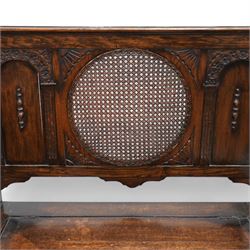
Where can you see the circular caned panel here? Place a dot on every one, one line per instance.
(129, 106)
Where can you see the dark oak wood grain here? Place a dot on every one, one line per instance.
(21, 114)
(138, 226)
(116, 233)
(129, 176)
(42, 137)
(232, 108)
(111, 38)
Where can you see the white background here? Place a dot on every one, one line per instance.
(126, 13)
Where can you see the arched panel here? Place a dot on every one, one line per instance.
(231, 137)
(21, 114)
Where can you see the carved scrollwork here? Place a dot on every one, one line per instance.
(74, 155)
(39, 58)
(235, 108)
(20, 108)
(70, 57)
(184, 155)
(190, 58)
(218, 59)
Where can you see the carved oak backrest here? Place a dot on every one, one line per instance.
(124, 105)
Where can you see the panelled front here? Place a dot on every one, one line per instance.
(25, 100)
(231, 133)
(136, 104)
(21, 114)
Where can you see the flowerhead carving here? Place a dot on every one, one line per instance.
(70, 57)
(39, 58)
(218, 59)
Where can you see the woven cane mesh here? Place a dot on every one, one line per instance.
(128, 107)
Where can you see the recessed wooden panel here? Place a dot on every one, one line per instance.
(21, 114)
(231, 138)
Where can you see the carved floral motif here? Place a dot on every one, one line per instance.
(74, 155)
(184, 155)
(190, 58)
(218, 59)
(70, 57)
(39, 58)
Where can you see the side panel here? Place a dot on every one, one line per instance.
(231, 138)
(21, 114)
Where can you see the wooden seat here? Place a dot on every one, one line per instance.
(126, 226)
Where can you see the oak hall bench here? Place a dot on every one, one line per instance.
(129, 105)
(124, 104)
